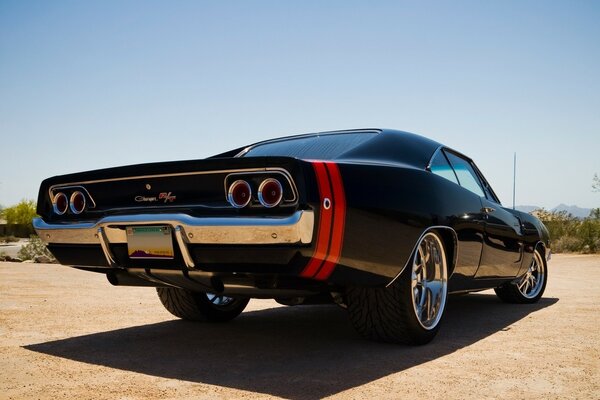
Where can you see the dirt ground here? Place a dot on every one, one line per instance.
(69, 334)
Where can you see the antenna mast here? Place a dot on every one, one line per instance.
(514, 177)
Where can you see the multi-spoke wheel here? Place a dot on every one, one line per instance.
(528, 288)
(429, 281)
(410, 309)
(201, 306)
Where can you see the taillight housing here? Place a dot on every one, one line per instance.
(270, 193)
(77, 202)
(60, 203)
(239, 194)
(271, 188)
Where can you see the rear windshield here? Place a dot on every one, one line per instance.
(318, 147)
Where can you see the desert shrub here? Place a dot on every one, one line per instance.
(589, 233)
(567, 244)
(571, 235)
(35, 248)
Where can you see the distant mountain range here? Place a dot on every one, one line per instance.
(577, 212)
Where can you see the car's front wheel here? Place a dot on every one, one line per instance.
(410, 310)
(201, 306)
(530, 287)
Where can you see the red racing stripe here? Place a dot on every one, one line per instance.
(339, 221)
(326, 216)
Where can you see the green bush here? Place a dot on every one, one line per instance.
(19, 218)
(22, 213)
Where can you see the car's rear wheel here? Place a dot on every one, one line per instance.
(201, 306)
(530, 287)
(410, 310)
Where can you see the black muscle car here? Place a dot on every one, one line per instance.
(385, 223)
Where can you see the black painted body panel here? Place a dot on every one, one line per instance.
(392, 199)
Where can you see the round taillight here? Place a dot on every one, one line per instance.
(77, 202)
(60, 204)
(239, 194)
(270, 192)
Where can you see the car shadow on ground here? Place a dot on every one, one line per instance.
(294, 352)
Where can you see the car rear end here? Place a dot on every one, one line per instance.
(304, 213)
(188, 224)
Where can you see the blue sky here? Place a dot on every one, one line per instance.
(86, 85)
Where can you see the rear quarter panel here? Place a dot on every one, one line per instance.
(388, 208)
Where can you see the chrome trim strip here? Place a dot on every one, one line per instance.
(110, 258)
(283, 172)
(307, 135)
(72, 185)
(181, 241)
(69, 187)
(419, 241)
(294, 229)
(435, 153)
(128, 178)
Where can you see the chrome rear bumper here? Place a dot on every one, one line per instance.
(294, 229)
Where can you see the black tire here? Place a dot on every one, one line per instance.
(197, 306)
(390, 314)
(518, 292)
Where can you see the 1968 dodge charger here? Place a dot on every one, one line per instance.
(385, 223)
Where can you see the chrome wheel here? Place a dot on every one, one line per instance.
(429, 281)
(532, 282)
(529, 287)
(219, 300)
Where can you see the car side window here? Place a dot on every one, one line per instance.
(440, 166)
(467, 177)
(489, 192)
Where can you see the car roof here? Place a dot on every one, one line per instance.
(395, 147)
(384, 146)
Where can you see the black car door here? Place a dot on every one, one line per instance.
(463, 208)
(503, 243)
(503, 239)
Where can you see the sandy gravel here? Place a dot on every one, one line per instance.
(70, 334)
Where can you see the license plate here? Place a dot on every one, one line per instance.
(149, 242)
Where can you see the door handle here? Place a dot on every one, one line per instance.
(488, 210)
